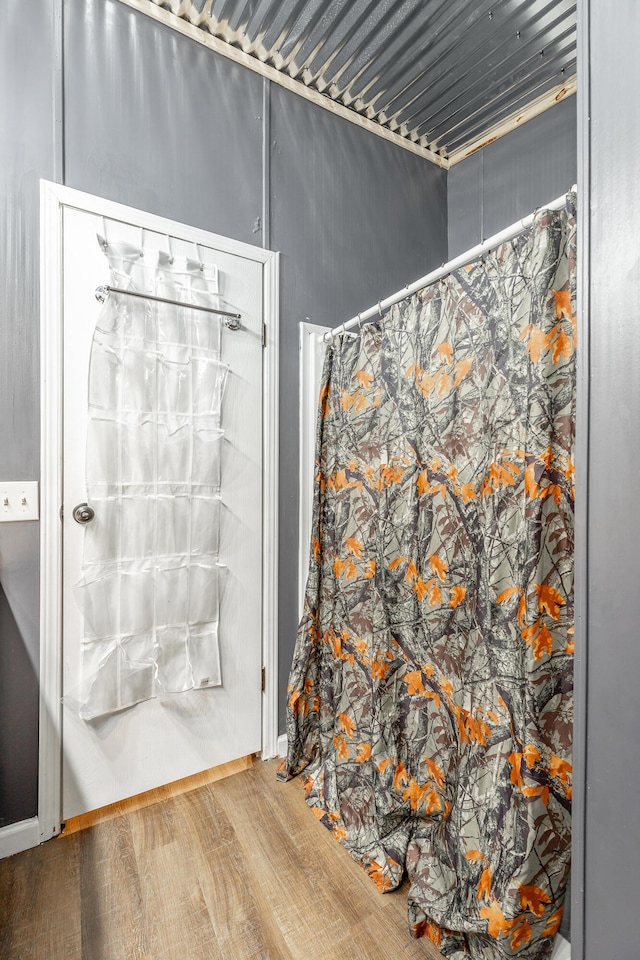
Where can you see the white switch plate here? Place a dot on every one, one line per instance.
(18, 500)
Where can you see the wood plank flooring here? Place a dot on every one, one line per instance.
(238, 869)
(159, 793)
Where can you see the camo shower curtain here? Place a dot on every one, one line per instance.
(429, 702)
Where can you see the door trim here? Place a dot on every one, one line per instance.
(53, 199)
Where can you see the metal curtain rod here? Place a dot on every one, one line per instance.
(103, 292)
(508, 234)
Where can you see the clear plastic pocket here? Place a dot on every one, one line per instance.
(172, 595)
(119, 683)
(105, 371)
(174, 387)
(102, 535)
(172, 525)
(99, 603)
(139, 381)
(174, 665)
(139, 527)
(204, 653)
(138, 452)
(205, 526)
(207, 444)
(174, 460)
(209, 379)
(137, 597)
(204, 591)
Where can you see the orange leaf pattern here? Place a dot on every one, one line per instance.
(521, 934)
(531, 755)
(457, 595)
(534, 899)
(429, 701)
(438, 566)
(496, 922)
(549, 600)
(364, 378)
(553, 923)
(474, 855)
(462, 368)
(347, 724)
(354, 546)
(509, 592)
(484, 885)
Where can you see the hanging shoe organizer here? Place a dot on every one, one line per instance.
(151, 571)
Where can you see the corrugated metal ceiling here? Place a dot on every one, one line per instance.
(444, 74)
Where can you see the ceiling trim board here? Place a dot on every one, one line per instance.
(535, 108)
(151, 9)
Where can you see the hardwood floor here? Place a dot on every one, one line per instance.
(234, 870)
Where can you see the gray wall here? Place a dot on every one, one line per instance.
(26, 154)
(608, 797)
(157, 121)
(496, 186)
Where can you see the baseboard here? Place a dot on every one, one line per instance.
(19, 836)
(561, 949)
(142, 800)
(282, 745)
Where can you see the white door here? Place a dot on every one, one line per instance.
(169, 735)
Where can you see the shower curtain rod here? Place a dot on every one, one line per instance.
(508, 234)
(103, 292)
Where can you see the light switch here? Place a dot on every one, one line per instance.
(18, 500)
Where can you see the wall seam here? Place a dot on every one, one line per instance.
(482, 236)
(58, 91)
(266, 163)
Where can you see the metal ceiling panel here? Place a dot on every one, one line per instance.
(444, 74)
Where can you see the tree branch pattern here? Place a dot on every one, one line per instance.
(430, 696)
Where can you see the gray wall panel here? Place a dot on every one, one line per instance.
(521, 171)
(19, 629)
(26, 154)
(612, 831)
(464, 187)
(355, 218)
(155, 120)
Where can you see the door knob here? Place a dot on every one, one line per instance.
(83, 513)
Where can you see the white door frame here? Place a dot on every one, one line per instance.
(53, 198)
(311, 347)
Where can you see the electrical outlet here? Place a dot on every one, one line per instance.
(18, 500)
